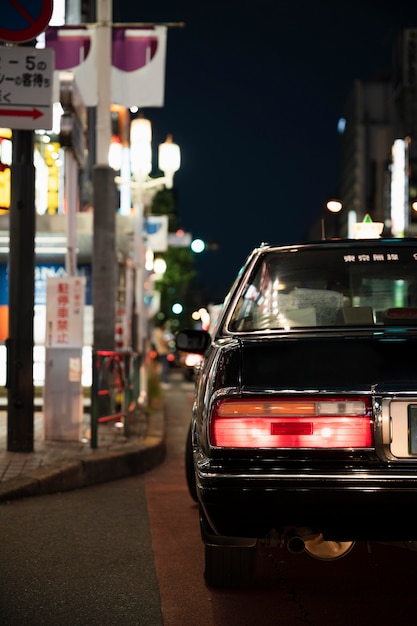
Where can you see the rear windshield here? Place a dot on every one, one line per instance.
(329, 287)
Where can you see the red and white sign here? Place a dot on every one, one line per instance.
(24, 20)
(65, 298)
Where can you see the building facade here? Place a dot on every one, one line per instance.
(378, 146)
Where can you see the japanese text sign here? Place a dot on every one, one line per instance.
(65, 312)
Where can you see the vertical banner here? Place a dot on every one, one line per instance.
(75, 51)
(138, 62)
(138, 66)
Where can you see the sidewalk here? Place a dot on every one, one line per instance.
(56, 466)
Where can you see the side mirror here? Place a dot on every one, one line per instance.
(190, 340)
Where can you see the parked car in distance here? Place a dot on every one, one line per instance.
(304, 425)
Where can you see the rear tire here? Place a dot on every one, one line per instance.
(229, 566)
(189, 466)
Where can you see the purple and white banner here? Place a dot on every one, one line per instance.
(138, 66)
(138, 62)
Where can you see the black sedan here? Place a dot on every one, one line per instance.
(304, 424)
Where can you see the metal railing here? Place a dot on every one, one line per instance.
(115, 389)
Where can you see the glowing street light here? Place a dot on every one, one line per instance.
(159, 266)
(169, 159)
(197, 245)
(140, 148)
(334, 206)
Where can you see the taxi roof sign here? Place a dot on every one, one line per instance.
(367, 229)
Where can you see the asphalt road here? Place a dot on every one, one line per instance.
(79, 558)
(373, 584)
(129, 552)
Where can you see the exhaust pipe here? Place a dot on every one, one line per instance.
(295, 544)
(306, 540)
(296, 539)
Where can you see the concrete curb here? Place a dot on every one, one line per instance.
(85, 471)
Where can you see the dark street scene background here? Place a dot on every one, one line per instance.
(275, 108)
(254, 93)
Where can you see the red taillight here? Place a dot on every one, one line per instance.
(292, 423)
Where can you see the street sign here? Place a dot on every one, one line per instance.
(23, 20)
(26, 77)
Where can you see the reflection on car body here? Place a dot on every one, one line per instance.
(304, 426)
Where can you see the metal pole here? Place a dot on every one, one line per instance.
(103, 124)
(105, 198)
(104, 259)
(140, 308)
(20, 391)
(138, 260)
(71, 196)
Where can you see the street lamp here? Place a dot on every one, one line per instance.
(140, 148)
(334, 206)
(198, 246)
(169, 160)
(141, 165)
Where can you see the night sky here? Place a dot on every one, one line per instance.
(254, 91)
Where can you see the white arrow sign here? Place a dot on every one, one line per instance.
(26, 77)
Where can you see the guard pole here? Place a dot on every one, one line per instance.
(21, 269)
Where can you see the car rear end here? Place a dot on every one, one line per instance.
(337, 455)
(313, 410)
(305, 415)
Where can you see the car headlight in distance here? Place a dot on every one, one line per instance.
(292, 423)
(191, 360)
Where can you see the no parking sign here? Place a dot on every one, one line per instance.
(23, 20)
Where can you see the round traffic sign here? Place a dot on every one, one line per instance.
(23, 20)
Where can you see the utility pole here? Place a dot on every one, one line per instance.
(104, 198)
(20, 392)
(22, 223)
